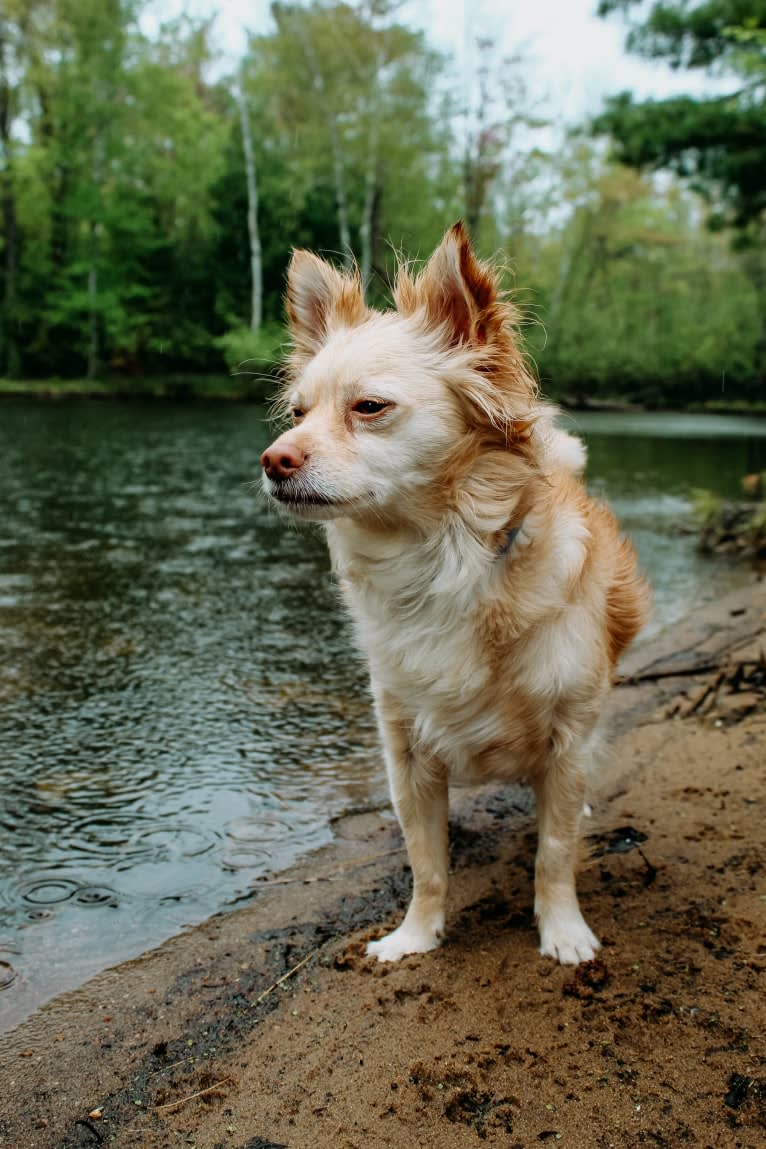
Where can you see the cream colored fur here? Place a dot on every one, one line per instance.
(419, 439)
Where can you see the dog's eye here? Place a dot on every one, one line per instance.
(370, 406)
(297, 414)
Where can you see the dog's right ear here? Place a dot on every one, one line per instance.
(319, 298)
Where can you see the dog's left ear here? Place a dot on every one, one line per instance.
(459, 294)
(319, 299)
(459, 299)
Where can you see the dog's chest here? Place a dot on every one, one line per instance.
(427, 655)
(430, 657)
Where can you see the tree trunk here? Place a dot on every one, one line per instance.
(754, 263)
(331, 120)
(370, 199)
(10, 355)
(341, 200)
(569, 263)
(256, 265)
(476, 168)
(94, 340)
(94, 326)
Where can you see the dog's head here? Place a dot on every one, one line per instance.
(388, 406)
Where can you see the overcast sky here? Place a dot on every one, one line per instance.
(574, 58)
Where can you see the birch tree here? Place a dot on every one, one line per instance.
(350, 86)
(256, 265)
(10, 67)
(499, 123)
(300, 25)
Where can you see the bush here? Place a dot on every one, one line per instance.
(252, 352)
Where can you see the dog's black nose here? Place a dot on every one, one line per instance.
(281, 460)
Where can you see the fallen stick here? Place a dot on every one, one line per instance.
(173, 1064)
(193, 1096)
(685, 671)
(284, 977)
(703, 699)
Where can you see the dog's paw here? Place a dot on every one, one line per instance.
(407, 939)
(570, 941)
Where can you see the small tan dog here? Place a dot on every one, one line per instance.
(490, 594)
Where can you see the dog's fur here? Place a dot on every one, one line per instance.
(490, 594)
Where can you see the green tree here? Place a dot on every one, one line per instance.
(719, 141)
(117, 146)
(640, 300)
(346, 93)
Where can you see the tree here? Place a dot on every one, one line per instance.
(9, 348)
(497, 112)
(346, 93)
(717, 142)
(256, 263)
(639, 299)
(118, 143)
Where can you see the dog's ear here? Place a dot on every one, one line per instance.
(458, 293)
(319, 298)
(457, 296)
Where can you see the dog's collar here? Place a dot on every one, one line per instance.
(508, 541)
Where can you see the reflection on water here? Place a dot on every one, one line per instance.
(181, 707)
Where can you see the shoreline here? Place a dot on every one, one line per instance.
(225, 388)
(215, 1034)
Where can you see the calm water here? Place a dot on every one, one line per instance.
(180, 710)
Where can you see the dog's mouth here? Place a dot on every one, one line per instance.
(302, 502)
(293, 499)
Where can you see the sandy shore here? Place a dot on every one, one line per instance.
(269, 1027)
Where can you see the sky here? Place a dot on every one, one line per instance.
(574, 58)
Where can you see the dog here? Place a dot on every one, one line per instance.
(491, 595)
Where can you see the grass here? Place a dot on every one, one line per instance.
(260, 387)
(255, 388)
(733, 406)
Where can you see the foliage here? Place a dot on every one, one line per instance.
(640, 300)
(247, 352)
(730, 528)
(123, 198)
(718, 142)
(706, 506)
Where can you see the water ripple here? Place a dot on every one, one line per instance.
(48, 891)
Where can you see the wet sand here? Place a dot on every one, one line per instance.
(269, 1027)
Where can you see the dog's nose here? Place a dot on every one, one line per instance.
(281, 460)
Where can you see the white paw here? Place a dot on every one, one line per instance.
(407, 939)
(569, 940)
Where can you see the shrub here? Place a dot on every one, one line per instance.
(252, 352)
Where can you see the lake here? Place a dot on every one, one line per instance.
(180, 713)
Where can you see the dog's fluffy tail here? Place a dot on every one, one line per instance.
(628, 601)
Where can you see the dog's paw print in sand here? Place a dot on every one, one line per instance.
(464, 1101)
(589, 979)
(355, 956)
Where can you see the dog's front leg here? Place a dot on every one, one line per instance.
(420, 795)
(560, 793)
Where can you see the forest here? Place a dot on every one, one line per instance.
(150, 195)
